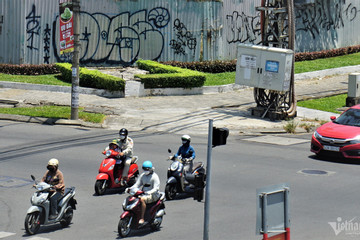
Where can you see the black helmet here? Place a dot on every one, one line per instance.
(123, 132)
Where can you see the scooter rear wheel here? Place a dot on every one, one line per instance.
(123, 227)
(170, 191)
(99, 187)
(32, 222)
(155, 226)
(68, 215)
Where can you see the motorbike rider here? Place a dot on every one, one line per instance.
(150, 183)
(186, 151)
(125, 147)
(54, 177)
(115, 146)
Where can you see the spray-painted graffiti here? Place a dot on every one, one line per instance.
(243, 28)
(47, 35)
(121, 39)
(325, 16)
(184, 39)
(32, 28)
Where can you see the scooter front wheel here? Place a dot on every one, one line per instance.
(100, 187)
(32, 222)
(170, 191)
(124, 226)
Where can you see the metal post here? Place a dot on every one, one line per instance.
(264, 216)
(286, 217)
(208, 182)
(75, 63)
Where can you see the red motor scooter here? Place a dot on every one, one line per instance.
(129, 219)
(106, 180)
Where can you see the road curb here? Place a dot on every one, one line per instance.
(49, 121)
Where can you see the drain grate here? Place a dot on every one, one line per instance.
(315, 172)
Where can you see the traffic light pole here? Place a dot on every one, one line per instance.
(208, 182)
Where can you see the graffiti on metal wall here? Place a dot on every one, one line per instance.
(47, 35)
(243, 28)
(184, 39)
(325, 16)
(32, 28)
(121, 39)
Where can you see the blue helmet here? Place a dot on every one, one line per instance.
(147, 165)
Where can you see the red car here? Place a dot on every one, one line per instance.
(340, 137)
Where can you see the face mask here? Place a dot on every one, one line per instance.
(147, 172)
(184, 142)
(122, 137)
(51, 168)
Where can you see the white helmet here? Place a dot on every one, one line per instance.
(53, 162)
(186, 138)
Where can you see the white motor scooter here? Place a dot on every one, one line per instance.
(38, 213)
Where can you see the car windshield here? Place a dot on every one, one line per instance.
(350, 117)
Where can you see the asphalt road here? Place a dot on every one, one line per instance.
(245, 164)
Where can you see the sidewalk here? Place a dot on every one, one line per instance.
(190, 113)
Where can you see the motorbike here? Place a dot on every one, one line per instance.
(129, 219)
(38, 214)
(106, 180)
(178, 181)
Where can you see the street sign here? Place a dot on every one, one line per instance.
(272, 215)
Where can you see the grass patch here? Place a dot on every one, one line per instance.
(328, 104)
(58, 112)
(211, 79)
(327, 63)
(219, 78)
(51, 79)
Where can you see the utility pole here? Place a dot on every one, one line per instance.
(75, 63)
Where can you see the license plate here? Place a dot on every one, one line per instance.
(332, 148)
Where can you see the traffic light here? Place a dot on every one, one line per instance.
(219, 136)
(199, 187)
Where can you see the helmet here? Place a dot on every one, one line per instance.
(123, 133)
(186, 138)
(53, 162)
(114, 142)
(147, 165)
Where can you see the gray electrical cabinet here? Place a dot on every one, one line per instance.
(264, 67)
(353, 85)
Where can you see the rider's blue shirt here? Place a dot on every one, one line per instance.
(186, 151)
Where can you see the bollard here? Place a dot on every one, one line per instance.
(353, 97)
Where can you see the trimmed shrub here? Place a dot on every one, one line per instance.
(92, 78)
(164, 76)
(28, 69)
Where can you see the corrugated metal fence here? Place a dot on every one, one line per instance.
(118, 32)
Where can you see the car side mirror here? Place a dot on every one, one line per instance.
(332, 118)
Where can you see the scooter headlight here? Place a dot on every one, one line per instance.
(108, 153)
(39, 198)
(174, 166)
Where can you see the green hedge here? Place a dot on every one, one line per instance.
(28, 69)
(165, 76)
(92, 78)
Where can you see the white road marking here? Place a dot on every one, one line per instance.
(6, 234)
(276, 140)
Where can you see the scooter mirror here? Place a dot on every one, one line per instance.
(32, 177)
(169, 150)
